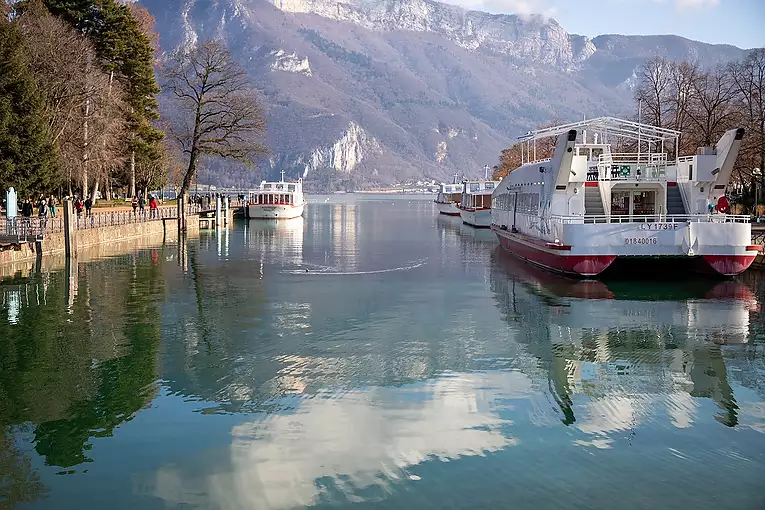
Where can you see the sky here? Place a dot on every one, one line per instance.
(737, 22)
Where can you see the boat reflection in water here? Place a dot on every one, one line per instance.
(635, 350)
(276, 241)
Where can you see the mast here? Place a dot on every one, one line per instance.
(640, 127)
(282, 174)
(486, 172)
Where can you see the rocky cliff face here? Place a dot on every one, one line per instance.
(376, 91)
(539, 41)
(343, 155)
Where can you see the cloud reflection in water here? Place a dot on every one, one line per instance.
(355, 440)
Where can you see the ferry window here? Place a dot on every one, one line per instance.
(690, 172)
(280, 186)
(291, 187)
(489, 185)
(267, 186)
(620, 202)
(474, 186)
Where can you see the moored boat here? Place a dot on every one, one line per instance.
(475, 203)
(276, 200)
(448, 198)
(588, 208)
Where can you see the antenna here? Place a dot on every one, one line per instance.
(282, 175)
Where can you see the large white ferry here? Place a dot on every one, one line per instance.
(276, 200)
(449, 197)
(475, 203)
(588, 206)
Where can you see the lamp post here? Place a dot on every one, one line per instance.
(756, 173)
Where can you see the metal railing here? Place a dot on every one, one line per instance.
(32, 227)
(114, 218)
(652, 218)
(23, 229)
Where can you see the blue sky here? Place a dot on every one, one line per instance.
(737, 22)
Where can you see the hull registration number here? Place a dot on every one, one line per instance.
(641, 240)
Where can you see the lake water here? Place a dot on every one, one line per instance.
(375, 355)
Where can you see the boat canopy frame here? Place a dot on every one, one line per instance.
(605, 127)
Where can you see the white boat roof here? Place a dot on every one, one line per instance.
(607, 125)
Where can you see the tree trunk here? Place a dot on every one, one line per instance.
(94, 193)
(132, 173)
(184, 193)
(85, 150)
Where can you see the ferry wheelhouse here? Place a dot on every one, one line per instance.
(276, 200)
(589, 206)
(448, 198)
(475, 202)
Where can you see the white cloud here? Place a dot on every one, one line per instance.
(696, 4)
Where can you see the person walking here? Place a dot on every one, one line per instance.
(88, 206)
(42, 212)
(134, 203)
(153, 205)
(142, 204)
(78, 205)
(52, 206)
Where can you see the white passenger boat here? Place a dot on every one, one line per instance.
(276, 200)
(475, 203)
(587, 206)
(449, 197)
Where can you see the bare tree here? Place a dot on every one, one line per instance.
(218, 111)
(653, 91)
(86, 121)
(749, 80)
(711, 110)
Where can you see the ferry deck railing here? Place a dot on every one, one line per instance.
(628, 166)
(652, 218)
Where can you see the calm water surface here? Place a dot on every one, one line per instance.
(374, 355)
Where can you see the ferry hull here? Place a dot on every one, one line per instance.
(556, 260)
(448, 208)
(274, 212)
(560, 260)
(479, 218)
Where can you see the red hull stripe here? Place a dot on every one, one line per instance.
(729, 265)
(591, 184)
(671, 183)
(532, 251)
(754, 247)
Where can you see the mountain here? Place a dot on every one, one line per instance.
(365, 92)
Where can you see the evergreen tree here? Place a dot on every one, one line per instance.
(27, 154)
(126, 50)
(77, 12)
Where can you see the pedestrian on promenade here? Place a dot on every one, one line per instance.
(78, 206)
(42, 212)
(134, 203)
(142, 204)
(153, 205)
(88, 206)
(52, 206)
